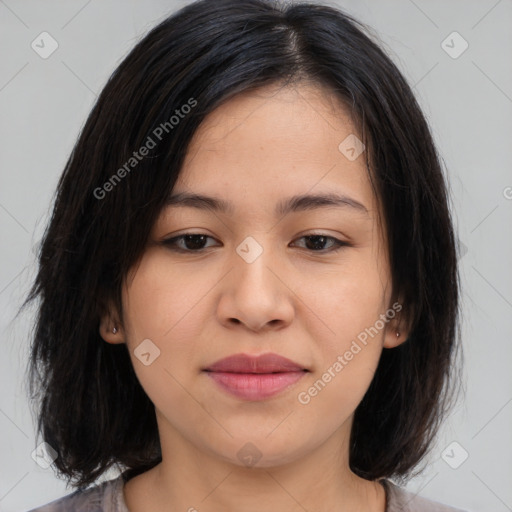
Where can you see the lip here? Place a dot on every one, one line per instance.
(255, 377)
(264, 363)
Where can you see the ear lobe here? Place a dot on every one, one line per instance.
(394, 337)
(398, 329)
(110, 330)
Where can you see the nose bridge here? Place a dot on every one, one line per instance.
(252, 261)
(250, 249)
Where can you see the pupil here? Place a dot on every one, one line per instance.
(317, 245)
(188, 238)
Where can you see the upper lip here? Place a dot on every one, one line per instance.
(265, 363)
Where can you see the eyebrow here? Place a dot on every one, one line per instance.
(292, 204)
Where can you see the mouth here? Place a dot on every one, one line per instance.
(255, 377)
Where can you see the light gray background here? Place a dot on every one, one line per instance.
(468, 101)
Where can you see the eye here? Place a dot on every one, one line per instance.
(195, 242)
(315, 243)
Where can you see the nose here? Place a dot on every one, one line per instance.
(256, 293)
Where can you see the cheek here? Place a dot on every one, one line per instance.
(349, 349)
(348, 305)
(159, 305)
(349, 299)
(161, 297)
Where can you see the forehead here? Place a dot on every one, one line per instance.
(274, 142)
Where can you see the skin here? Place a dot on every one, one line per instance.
(296, 299)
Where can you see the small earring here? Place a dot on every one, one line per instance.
(114, 330)
(397, 334)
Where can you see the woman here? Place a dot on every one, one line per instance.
(248, 288)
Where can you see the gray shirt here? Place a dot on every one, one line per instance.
(108, 497)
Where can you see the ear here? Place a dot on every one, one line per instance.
(399, 326)
(111, 329)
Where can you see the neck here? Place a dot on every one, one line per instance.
(191, 479)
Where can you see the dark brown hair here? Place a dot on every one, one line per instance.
(91, 408)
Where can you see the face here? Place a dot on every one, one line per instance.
(310, 283)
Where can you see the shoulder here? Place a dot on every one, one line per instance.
(104, 497)
(400, 500)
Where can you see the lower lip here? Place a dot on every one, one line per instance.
(255, 386)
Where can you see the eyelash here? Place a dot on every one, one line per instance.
(171, 243)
